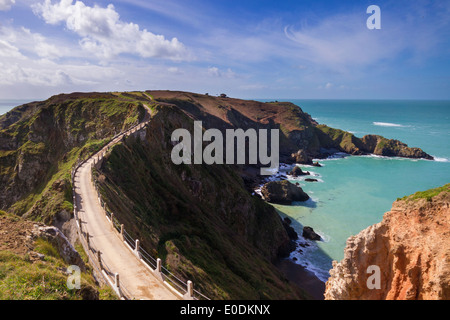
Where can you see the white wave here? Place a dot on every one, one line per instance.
(438, 159)
(303, 258)
(388, 124)
(337, 156)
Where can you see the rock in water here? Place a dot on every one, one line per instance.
(283, 192)
(308, 233)
(297, 172)
(301, 157)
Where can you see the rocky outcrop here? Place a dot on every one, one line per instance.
(339, 140)
(61, 243)
(381, 146)
(301, 157)
(310, 234)
(410, 247)
(283, 192)
(297, 172)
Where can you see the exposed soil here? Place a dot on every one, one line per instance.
(16, 235)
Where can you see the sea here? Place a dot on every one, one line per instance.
(354, 192)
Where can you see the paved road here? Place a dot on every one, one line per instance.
(133, 275)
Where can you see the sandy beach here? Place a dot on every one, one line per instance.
(305, 279)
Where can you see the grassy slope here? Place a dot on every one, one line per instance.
(23, 277)
(51, 139)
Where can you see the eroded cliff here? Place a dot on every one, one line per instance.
(411, 247)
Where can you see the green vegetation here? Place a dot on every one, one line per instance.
(24, 279)
(39, 144)
(50, 137)
(199, 220)
(428, 194)
(339, 139)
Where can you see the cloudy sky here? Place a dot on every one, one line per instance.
(245, 48)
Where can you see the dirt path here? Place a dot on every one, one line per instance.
(137, 279)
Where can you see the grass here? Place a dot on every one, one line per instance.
(428, 194)
(22, 279)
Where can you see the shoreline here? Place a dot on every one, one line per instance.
(302, 277)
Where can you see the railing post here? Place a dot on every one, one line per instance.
(136, 250)
(117, 284)
(158, 273)
(112, 219)
(158, 265)
(121, 232)
(87, 240)
(99, 258)
(190, 291)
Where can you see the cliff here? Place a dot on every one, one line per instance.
(40, 141)
(299, 132)
(200, 220)
(411, 248)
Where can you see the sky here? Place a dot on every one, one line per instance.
(254, 49)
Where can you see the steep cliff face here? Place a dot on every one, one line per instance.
(198, 219)
(411, 247)
(40, 141)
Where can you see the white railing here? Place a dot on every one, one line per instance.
(183, 289)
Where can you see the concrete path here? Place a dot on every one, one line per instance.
(136, 278)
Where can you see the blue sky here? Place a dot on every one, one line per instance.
(245, 48)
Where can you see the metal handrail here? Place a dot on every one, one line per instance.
(147, 258)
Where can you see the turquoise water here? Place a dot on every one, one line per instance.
(354, 192)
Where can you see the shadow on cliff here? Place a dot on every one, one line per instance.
(299, 274)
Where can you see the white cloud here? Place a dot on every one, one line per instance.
(174, 70)
(105, 35)
(343, 42)
(216, 72)
(33, 43)
(7, 50)
(5, 5)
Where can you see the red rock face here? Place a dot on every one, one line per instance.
(411, 247)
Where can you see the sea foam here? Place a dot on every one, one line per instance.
(388, 124)
(438, 159)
